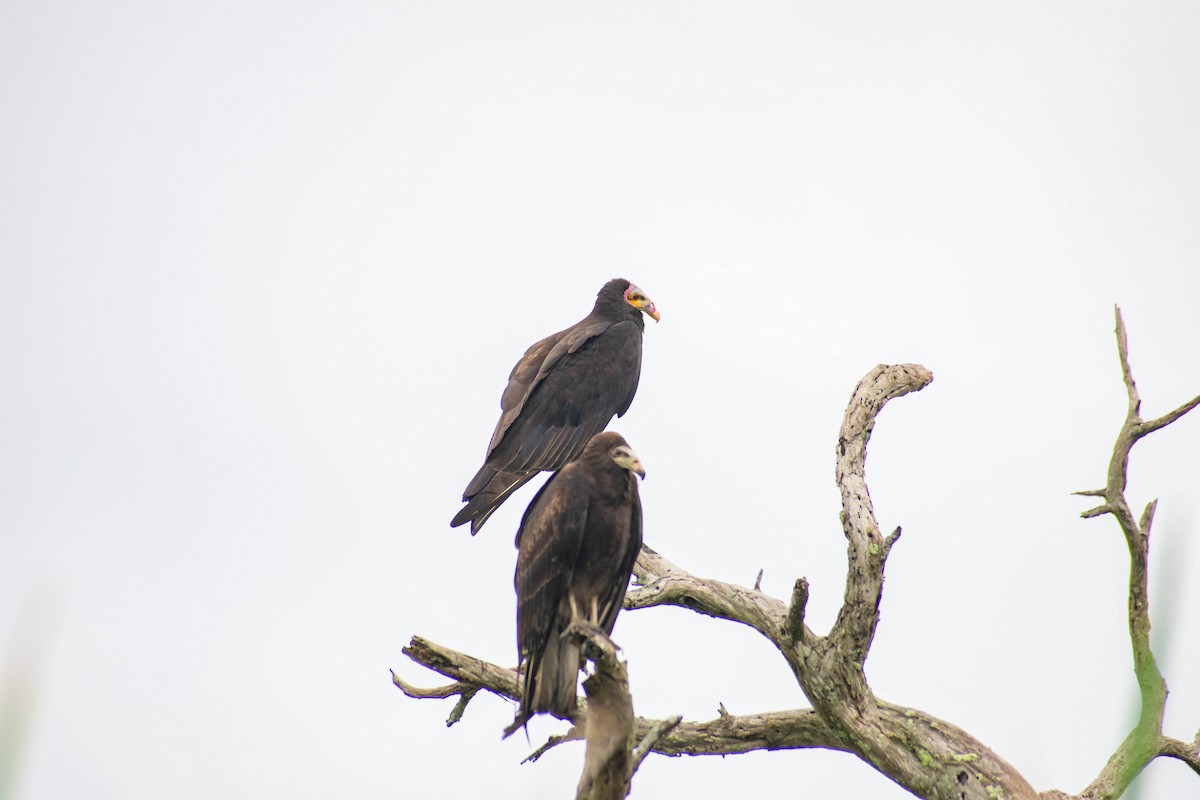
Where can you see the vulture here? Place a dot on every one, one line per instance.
(565, 389)
(575, 552)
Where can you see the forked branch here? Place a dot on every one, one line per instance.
(1146, 741)
(725, 735)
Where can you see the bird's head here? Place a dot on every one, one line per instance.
(638, 299)
(625, 458)
(613, 445)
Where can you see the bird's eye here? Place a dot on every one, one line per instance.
(637, 297)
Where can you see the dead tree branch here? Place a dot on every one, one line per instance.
(658, 582)
(608, 761)
(729, 734)
(929, 757)
(656, 732)
(1146, 741)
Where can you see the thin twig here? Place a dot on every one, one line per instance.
(656, 732)
(460, 707)
(892, 538)
(573, 735)
(1168, 418)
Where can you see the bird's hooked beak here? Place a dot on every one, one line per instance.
(638, 299)
(628, 459)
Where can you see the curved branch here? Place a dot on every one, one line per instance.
(927, 756)
(868, 549)
(467, 670)
(464, 691)
(438, 692)
(1185, 752)
(661, 583)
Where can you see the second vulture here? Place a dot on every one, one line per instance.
(564, 390)
(575, 552)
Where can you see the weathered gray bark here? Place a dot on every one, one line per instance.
(609, 761)
(929, 757)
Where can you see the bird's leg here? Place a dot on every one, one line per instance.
(585, 626)
(574, 612)
(587, 629)
(578, 625)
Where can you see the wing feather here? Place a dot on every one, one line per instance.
(571, 402)
(611, 601)
(548, 543)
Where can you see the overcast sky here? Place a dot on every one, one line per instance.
(264, 269)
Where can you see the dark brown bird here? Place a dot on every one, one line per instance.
(575, 552)
(564, 390)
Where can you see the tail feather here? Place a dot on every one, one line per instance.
(551, 686)
(481, 504)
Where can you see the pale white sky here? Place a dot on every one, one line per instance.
(265, 267)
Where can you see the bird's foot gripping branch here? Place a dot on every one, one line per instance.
(928, 756)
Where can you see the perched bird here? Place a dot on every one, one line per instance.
(575, 552)
(565, 389)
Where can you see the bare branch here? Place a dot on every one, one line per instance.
(867, 548)
(795, 629)
(891, 540)
(1135, 402)
(465, 692)
(1168, 418)
(460, 707)
(656, 732)
(661, 583)
(1148, 517)
(608, 729)
(573, 735)
(466, 669)
(438, 692)
(1185, 752)
(729, 734)
(469, 673)
(726, 735)
(1145, 742)
(1098, 511)
(927, 756)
